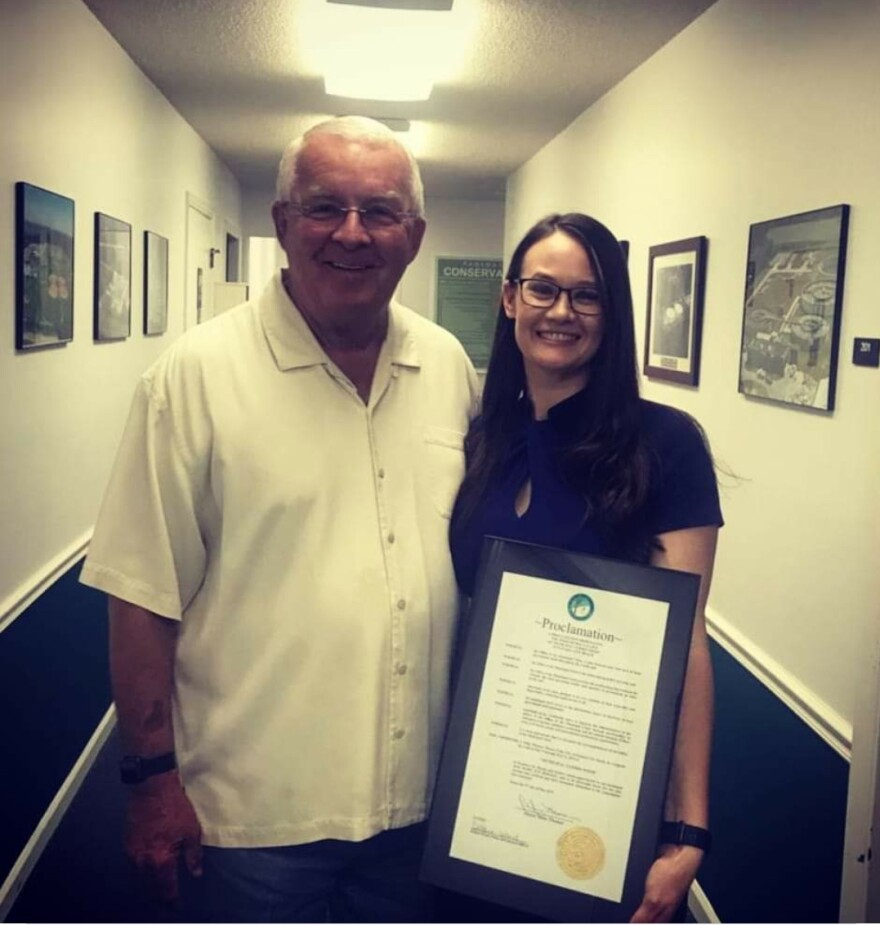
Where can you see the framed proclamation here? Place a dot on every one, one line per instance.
(553, 776)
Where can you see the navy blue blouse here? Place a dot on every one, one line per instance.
(682, 492)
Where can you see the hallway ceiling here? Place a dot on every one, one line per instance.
(237, 71)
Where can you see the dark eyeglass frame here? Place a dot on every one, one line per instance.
(373, 218)
(559, 289)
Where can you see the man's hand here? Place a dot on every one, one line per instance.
(162, 824)
(668, 881)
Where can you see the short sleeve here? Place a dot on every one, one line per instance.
(684, 490)
(148, 547)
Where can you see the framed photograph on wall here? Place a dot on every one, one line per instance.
(44, 233)
(792, 308)
(112, 278)
(155, 283)
(676, 278)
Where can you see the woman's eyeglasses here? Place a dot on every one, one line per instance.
(542, 293)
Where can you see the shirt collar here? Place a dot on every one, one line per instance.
(566, 418)
(570, 411)
(294, 346)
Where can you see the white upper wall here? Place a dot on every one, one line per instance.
(256, 212)
(456, 228)
(757, 110)
(80, 119)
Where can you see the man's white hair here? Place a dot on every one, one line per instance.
(359, 128)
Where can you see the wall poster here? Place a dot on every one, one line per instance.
(468, 294)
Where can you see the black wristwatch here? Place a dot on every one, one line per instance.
(133, 769)
(680, 833)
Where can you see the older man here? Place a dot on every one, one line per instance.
(274, 543)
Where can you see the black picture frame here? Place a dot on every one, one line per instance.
(155, 284)
(674, 324)
(792, 308)
(677, 590)
(45, 225)
(112, 293)
(624, 246)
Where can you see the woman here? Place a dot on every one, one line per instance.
(566, 454)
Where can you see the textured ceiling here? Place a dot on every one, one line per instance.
(239, 72)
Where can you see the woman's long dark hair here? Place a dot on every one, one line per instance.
(605, 459)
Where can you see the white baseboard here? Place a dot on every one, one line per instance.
(699, 906)
(26, 593)
(821, 718)
(31, 852)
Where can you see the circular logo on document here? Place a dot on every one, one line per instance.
(581, 607)
(580, 853)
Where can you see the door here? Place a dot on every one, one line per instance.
(860, 890)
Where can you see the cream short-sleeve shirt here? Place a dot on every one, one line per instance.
(300, 538)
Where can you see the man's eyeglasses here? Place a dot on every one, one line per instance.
(542, 293)
(330, 215)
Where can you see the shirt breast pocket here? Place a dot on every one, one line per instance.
(443, 452)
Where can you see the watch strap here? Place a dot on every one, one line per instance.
(134, 769)
(680, 833)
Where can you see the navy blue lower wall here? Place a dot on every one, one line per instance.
(778, 790)
(54, 690)
(778, 808)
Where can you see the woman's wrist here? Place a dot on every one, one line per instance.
(683, 833)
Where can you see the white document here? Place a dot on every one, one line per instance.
(560, 735)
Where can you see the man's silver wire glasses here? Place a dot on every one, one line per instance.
(331, 215)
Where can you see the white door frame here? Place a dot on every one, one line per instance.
(206, 209)
(860, 887)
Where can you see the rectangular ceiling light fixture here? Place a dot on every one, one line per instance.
(437, 6)
(389, 49)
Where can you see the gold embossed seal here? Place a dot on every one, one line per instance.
(580, 853)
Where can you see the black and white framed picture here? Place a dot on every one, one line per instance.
(44, 236)
(155, 283)
(676, 279)
(112, 278)
(792, 308)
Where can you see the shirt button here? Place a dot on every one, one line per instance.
(398, 733)
(401, 668)
(390, 537)
(401, 604)
(381, 473)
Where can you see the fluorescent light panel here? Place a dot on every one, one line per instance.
(389, 54)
